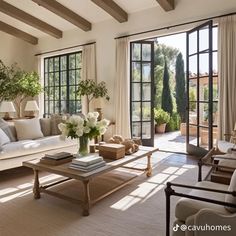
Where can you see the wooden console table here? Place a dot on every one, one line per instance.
(86, 177)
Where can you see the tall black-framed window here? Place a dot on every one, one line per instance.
(61, 76)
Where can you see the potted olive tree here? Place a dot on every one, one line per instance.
(161, 119)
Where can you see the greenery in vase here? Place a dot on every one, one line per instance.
(161, 116)
(91, 90)
(76, 126)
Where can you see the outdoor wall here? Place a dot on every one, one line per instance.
(16, 50)
(103, 33)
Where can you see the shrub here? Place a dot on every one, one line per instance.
(161, 116)
(174, 123)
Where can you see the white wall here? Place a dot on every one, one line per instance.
(103, 33)
(16, 50)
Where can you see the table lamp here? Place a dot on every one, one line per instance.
(32, 106)
(7, 107)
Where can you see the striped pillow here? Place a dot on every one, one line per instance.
(6, 128)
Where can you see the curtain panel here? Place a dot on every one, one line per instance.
(122, 89)
(227, 74)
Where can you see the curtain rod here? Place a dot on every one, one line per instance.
(61, 49)
(173, 26)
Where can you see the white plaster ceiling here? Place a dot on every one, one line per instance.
(85, 8)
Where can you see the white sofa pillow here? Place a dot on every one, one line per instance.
(28, 129)
(4, 139)
(230, 198)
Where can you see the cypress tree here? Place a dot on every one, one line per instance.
(180, 86)
(166, 103)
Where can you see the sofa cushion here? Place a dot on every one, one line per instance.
(230, 198)
(6, 128)
(224, 146)
(186, 207)
(26, 147)
(4, 139)
(45, 124)
(56, 119)
(28, 129)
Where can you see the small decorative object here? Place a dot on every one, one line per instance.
(131, 145)
(112, 151)
(161, 118)
(32, 106)
(7, 107)
(83, 129)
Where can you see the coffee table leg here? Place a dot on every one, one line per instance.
(86, 203)
(149, 166)
(36, 185)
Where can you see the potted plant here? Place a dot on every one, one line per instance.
(161, 118)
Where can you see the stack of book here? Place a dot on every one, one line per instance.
(87, 163)
(57, 158)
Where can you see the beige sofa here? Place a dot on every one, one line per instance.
(15, 152)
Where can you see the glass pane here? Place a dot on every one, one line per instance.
(193, 66)
(72, 93)
(215, 38)
(57, 93)
(203, 114)
(46, 93)
(72, 77)
(72, 61)
(146, 130)
(51, 93)
(193, 90)
(192, 112)
(204, 88)
(63, 78)
(136, 71)
(215, 89)
(215, 63)
(215, 114)
(146, 72)
(136, 111)
(193, 135)
(63, 93)
(46, 65)
(146, 111)
(78, 107)
(57, 110)
(51, 64)
(204, 135)
(63, 63)
(56, 64)
(78, 60)
(146, 92)
(193, 42)
(136, 129)
(46, 79)
(72, 107)
(203, 64)
(56, 78)
(146, 52)
(46, 107)
(204, 39)
(51, 107)
(136, 92)
(136, 52)
(51, 79)
(78, 76)
(63, 107)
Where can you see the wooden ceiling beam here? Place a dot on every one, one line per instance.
(29, 19)
(18, 33)
(65, 13)
(112, 9)
(167, 5)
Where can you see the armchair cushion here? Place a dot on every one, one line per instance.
(224, 146)
(186, 207)
(230, 198)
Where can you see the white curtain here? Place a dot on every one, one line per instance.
(227, 74)
(88, 69)
(122, 91)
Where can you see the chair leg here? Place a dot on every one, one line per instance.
(168, 191)
(199, 171)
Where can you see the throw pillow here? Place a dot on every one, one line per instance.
(6, 128)
(28, 129)
(55, 121)
(45, 124)
(230, 198)
(4, 139)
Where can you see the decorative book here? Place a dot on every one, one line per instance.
(88, 160)
(58, 156)
(55, 162)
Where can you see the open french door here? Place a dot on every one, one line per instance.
(199, 89)
(142, 91)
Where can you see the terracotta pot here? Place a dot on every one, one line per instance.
(161, 128)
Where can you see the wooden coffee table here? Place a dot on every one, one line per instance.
(86, 177)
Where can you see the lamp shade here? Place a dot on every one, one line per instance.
(7, 107)
(31, 106)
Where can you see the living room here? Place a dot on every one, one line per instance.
(57, 48)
